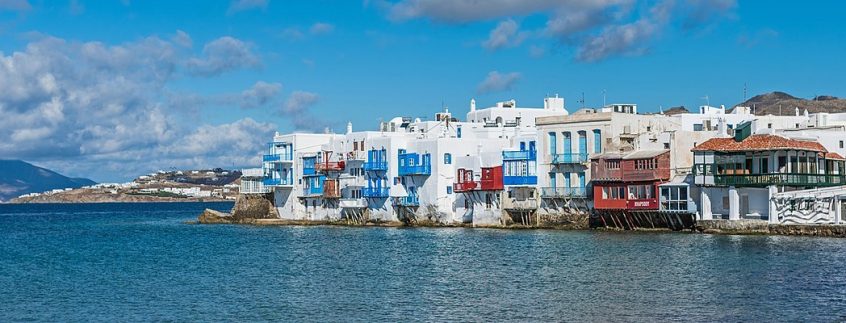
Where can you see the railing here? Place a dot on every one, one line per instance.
(252, 172)
(376, 166)
(563, 192)
(520, 180)
(491, 184)
(277, 158)
(780, 179)
(515, 204)
(330, 166)
(312, 191)
(636, 175)
(464, 187)
(309, 171)
(415, 170)
(570, 158)
(374, 192)
(351, 203)
(600, 173)
(411, 200)
(277, 182)
(519, 155)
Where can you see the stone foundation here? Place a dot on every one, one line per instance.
(747, 227)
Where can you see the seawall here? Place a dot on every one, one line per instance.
(753, 227)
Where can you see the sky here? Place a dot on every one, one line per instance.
(110, 90)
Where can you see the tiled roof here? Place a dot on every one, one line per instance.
(641, 154)
(758, 142)
(834, 155)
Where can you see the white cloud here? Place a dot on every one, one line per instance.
(594, 28)
(297, 110)
(299, 101)
(243, 5)
(92, 109)
(506, 34)
(222, 55)
(497, 82)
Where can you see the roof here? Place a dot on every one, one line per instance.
(609, 155)
(834, 155)
(757, 143)
(641, 154)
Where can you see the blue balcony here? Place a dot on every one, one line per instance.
(414, 164)
(374, 192)
(570, 158)
(415, 170)
(519, 155)
(563, 192)
(277, 182)
(376, 166)
(411, 200)
(520, 180)
(309, 164)
(313, 191)
(277, 158)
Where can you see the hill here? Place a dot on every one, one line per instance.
(780, 103)
(19, 177)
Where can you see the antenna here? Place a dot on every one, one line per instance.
(744, 91)
(582, 100)
(707, 100)
(603, 97)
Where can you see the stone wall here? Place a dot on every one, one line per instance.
(762, 227)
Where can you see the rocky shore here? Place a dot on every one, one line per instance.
(95, 196)
(759, 227)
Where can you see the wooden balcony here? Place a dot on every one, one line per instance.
(646, 175)
(330, 166)
(763, 180)
(464, 187)
(331, 189)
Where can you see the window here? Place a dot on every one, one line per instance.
(674, 198)
(697, 127)
(448, 158)
(597, 141)
(488, 201)
(769, 126)
(841, 144)
(449, 189)
(458, 132)
(666, 145)
(552, 143)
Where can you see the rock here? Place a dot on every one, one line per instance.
(210, 216)
(248, 207)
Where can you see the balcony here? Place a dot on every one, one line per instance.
(277, 182)
(563, 192)
(331, 189)
(330, 166)
(520, 180)
(351, 203)
(376, 166)
(569, 158)
(374, 192)
(491, 179)
(271, 158)
(643, 175)
(411, 200)
(520, 205)
(313, 191)
(464, 187)
(763, 180)
(519, 155)
(415, 170)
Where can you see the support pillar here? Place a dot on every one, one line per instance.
(734, 204)
(706, 206)
(772, 216)
(837, 210)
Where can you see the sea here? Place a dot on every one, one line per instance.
(149, 262)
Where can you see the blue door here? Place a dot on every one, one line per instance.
(567, 179)
(597, 141)
(582, 180)
(532, 145)
(552, 180)
(567, 147)
(522, 146)
(552, 143)
(582, 143)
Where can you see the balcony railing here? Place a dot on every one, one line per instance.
(761, 180)
(277, 182)
(639, 175)
(519, 155)
(515, 204)
(309, 171)
(415, 170)
(330, 166)
(312, 191)
(411, 200)
(376, 166)
(351, 203)
(563, 192)
(464, 187)
(277, 158)
(374, 192)
(569, 158)
(520, 180)
(491, 184)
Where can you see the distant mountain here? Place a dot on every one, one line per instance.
(19, 177)
(780, 103)
(676, 110)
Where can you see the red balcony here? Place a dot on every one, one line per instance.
(330, 166)
(464, 186)
(331, 189)
(491, 179)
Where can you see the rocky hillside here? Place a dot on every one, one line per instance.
(19, 177)
(780, 103)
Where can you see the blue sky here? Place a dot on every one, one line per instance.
(110, 89)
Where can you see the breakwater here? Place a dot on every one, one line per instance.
(758, 227)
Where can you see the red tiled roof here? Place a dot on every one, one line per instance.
(834, 155)
(759, 142)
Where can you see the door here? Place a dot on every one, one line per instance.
(582, 143)
(532, 146)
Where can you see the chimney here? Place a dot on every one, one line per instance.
(472, 105)
(349, 127)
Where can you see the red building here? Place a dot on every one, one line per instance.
(629, 181)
